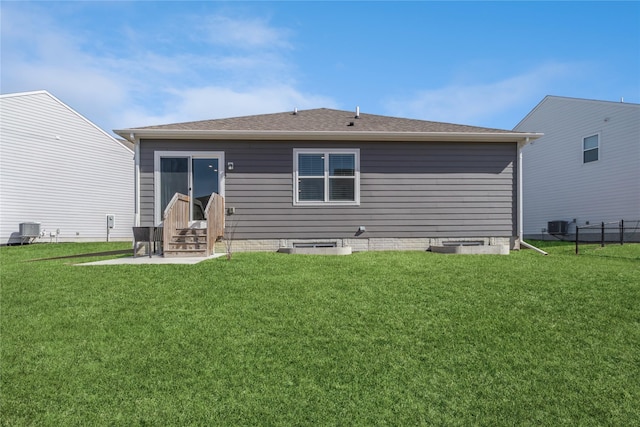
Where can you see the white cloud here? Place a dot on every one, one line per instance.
(225, 102)
(37, 55)
(246, 33)
(141, 83)
(217, 102)
(476, 103)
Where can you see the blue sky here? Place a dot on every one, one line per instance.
(126, 64)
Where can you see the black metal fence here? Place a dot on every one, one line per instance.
(607, 232)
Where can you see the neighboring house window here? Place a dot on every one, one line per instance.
(590, 148)
(326, 177)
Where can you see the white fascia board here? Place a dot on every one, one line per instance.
(16, 94)
(135, 135)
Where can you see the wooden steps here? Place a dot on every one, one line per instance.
(181, 241)
(187, 242)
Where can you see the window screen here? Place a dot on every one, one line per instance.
(326, 177)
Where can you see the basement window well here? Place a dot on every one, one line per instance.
(315, 245)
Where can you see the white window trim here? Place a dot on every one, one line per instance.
(326, 152)
(157, 155)
(597, 148)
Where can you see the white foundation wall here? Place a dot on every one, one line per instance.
(361, 245)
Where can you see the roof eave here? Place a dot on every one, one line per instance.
(134, 135)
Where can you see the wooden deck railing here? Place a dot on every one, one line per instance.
(214, 214)
(175, 217)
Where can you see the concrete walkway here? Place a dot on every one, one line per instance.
(156, 259)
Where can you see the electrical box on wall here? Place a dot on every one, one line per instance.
(111, 221)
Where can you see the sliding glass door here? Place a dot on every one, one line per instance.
(196, 174)
(205, 182)
(174, 178)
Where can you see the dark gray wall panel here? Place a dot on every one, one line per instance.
(407, 190)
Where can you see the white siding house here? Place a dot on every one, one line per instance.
(60, 170)
(586, 167)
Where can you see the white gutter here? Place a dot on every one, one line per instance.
(138, 134)
(521, 202)
(136, 174)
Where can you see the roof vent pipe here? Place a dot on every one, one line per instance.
(295, 111)
(357, 112)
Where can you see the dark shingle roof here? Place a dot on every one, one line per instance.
(322, 120)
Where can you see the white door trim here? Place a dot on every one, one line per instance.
(157, 155)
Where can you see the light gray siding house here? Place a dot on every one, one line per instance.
(60, 170)
(341, 178)
(586, 167)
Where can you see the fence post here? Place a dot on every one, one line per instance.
(602, 235)
(622, 232)
(577, 238)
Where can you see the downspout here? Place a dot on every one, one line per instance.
(136, 174)
(521, 202)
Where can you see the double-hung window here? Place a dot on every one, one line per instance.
(326, 177)
(590, 148)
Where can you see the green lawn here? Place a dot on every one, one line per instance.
(395, 338)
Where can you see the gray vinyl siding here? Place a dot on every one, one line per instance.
(558, 185)
(406, 190)
(59, 169)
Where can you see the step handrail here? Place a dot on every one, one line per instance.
(214, 214)
(175, 217)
